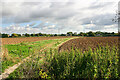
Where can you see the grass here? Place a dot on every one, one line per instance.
(14, 53)
(100, 63)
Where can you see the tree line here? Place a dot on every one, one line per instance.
(87, 34)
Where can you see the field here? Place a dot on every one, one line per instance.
(27, 39)
(21, 50)
(62, 58)
(89, 42)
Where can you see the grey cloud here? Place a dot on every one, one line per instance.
(98, 27)
(32, 24)
(95, 28)
(41, 25)
(98, 5)
(105, 19)
(61, 4)
(67, 15)
(27, 11)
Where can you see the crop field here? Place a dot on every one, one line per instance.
(60, 40)
(66, 58)
(89, 42)
(28, 39)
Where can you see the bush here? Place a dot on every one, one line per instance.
(76, 64)
(101, 63)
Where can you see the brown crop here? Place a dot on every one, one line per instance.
(89, 42)
(28, 39)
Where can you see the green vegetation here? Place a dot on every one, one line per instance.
(87, 34)
(14, 53)
(76, 64)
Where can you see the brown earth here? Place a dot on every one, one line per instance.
(28, 39)
(89, 42)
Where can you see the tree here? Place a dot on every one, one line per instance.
(55, 34)
(85, 34)
(81, 34)
(40, 34)
(75, 34)
(91, 33)
(14, 35)
(32, 35)
(113, 33)
(63, 35)
(27, 35)
(98, 33)
(0, 35)
(69, 33)
(19, 35)
(37, 34)
(5, 35)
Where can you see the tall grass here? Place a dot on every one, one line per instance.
(14, 53)
(76, 64)
(101, 63)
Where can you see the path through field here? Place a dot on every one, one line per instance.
(11, 69)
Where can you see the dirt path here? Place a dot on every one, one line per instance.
(11, 69)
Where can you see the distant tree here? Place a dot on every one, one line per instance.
(37, 34)
(81, 34)
(91, 33)
(23, 35)
(63, 35)
(55, 34)
(85, 34)
(40, 34)
(19, 35)
(27, 35)
(74, 34)
(69, 33)
(112, 33)
(0, 35)
(32, 35)
(44, 34)
(14, 35)
(118, 33)
(98, 33)
(51, 35)
(5, 35)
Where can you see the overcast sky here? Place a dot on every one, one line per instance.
(58, 17)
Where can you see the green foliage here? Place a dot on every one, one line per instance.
(62, 34)
(101, 63)
(81, 34)
(87, 34)
(14, 35)
(27, 35)
(22, 50)
(91, 33)
(40, 34)
(33, 67)
(32, 35)
(55, 35)
(5, 35)
(36, 34)
(74, 34)
(69, 33)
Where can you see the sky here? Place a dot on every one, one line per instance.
(54, 17)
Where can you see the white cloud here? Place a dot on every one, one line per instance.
(67, 16)
(51, 26)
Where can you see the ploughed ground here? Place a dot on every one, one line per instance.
(86, 43)
(28, 39)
